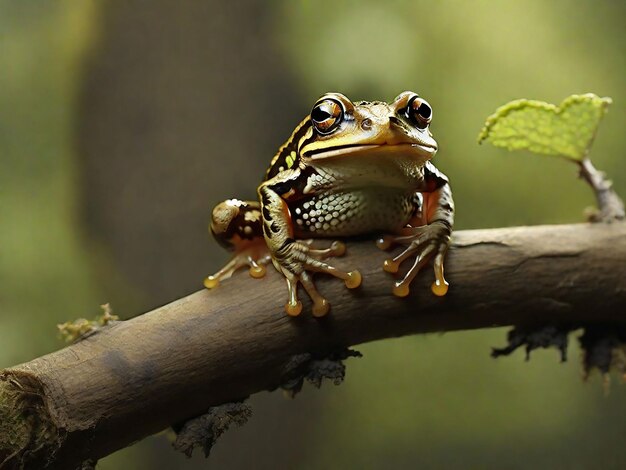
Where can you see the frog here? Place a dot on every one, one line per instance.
(348, 169)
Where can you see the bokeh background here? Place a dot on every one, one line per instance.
(122, 123)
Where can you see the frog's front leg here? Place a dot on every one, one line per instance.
(237, 226)
(296, 260)
(426, 236)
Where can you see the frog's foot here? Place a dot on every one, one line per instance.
(297, 263)
(424, 243)
(254, 257)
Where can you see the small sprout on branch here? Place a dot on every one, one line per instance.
(567, 130)
(72, 331)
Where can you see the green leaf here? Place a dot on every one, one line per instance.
(566, 130)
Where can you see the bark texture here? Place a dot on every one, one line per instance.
(137, 377)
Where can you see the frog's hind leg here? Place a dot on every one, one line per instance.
(236, 225)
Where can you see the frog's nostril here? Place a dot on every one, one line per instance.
(366, 124)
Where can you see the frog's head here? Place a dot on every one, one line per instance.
(340, 127)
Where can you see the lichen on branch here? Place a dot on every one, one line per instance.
(72, 331)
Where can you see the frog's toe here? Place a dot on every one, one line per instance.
(212, 281)
(257, 267)
(293, 307)
(406, 236)
(254, 258)
(440, 286)
(306, 260)
(311, 259)
(385, 242)
(321, 306)
(401, 288)
(414, 245)
(352, 279)
(336, 249)
(423, 244)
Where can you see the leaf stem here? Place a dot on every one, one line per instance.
(610, 204)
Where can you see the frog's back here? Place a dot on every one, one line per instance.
(287, 156)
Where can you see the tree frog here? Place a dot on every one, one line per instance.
(349, 168)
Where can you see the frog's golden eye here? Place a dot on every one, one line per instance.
(326, 115)
(419, 112)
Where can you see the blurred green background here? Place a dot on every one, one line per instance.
(122, 123)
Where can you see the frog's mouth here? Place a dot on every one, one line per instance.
(409, 148)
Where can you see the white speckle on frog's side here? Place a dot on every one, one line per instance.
(309, 185)
(252, 216)
(345, 214)
(317, 181)
(234, 202)
(298, 210)
(247, 230)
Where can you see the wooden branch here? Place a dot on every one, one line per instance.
(139, 376)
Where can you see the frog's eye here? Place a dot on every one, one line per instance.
(326, 115)
(419, 112)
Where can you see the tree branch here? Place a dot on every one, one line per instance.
(137, 377)
(610, 205)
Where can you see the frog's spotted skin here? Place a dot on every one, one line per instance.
(347, 214)
(347, 169)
